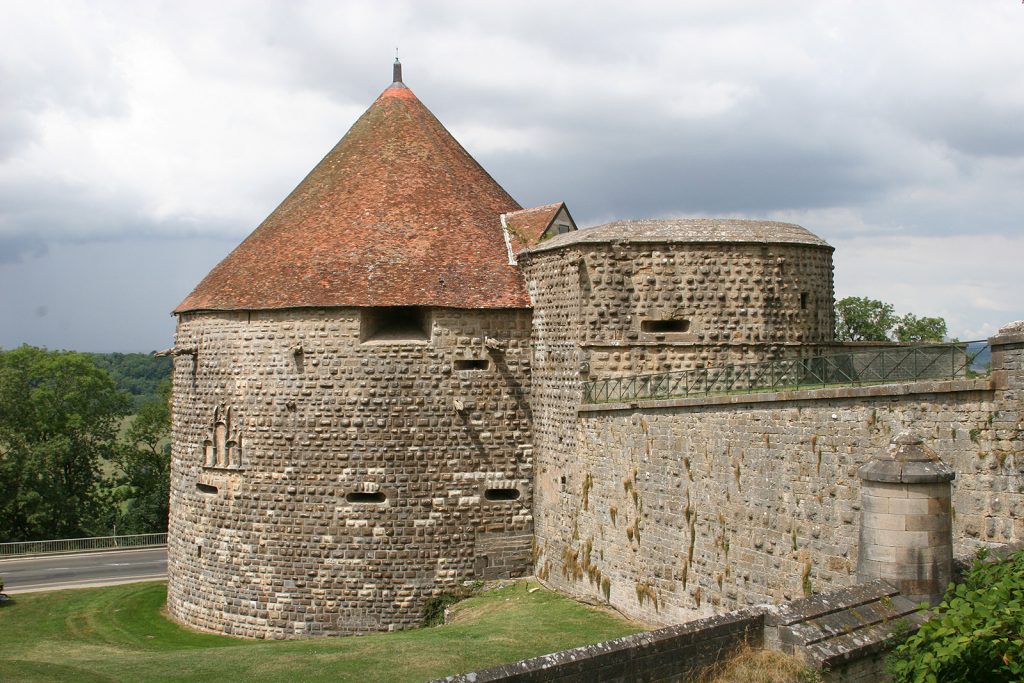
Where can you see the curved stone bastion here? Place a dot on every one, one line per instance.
(324, 485)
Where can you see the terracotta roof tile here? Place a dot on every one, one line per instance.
(398, 213)
(527, 226)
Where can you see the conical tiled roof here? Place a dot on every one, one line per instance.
(397, 214)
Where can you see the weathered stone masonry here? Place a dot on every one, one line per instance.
(738, 291)
(367, 412)
(690, 507)
(365, 473)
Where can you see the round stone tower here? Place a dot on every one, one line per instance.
(350, 432)
(644, 296)
(639, 297)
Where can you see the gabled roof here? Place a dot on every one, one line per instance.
(397, 214)
(527, 227)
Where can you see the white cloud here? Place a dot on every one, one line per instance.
(868, 123)
(973, 281)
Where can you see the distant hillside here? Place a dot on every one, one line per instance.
(138, 374)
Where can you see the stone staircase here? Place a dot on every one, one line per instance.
(843, 632)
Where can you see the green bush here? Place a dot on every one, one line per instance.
(975, 634)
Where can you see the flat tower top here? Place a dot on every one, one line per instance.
(688, 230)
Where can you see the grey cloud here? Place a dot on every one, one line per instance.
(17, 131)
(34, 211)
(1000, 133)
(830, 122)
(18, 248)
(110, 296)
(697, 181)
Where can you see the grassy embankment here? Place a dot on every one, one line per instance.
(120, 634)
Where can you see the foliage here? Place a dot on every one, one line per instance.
(141, 489)
(59, 417)
(119, 633)
(975, 634)
(863, 319)
(138, 374)
(910, 328)
(433, 611)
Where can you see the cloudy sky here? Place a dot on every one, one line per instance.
(140, 141)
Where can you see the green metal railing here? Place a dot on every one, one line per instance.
(69, 545)
(887, 365)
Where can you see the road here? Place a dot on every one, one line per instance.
(81, 570)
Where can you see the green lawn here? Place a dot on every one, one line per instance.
(119, 634)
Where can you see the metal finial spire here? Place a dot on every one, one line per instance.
(397, 69)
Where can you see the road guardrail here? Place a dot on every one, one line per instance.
(70, 545)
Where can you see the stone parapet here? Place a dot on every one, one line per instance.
(843, 634)
(675, 653)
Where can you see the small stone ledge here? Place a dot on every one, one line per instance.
(995, 552)
(1009, 334)
(824, 604)
(874, 390)
(837, 652)
(1007, 339)
(831, 630)
(894, 472)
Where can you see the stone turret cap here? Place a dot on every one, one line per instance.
(1011, 333)
(907, 461)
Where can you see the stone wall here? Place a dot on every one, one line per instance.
(320, 485)
(679, 509)
(844, 635)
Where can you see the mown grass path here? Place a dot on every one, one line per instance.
(119, 634)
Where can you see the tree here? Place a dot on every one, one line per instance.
(142, 488)
(59, 417)
(910, 328)
(863, 319)
(138, 374)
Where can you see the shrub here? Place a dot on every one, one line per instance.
(975, 634)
